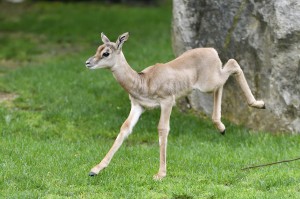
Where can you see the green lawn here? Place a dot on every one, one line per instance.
(66, 117)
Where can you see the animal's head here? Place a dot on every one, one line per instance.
(107, 54)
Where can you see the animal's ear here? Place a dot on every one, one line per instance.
(104, 38)
(122, 38)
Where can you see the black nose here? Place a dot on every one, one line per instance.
(88, 63)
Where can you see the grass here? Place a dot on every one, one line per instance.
(66, 118)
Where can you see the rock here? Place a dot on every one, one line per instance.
(264, 37)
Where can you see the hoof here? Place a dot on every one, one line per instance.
(92, 174)
(258, 104)
(159, 177)
(223, 132)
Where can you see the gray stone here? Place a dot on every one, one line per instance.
(264, 37)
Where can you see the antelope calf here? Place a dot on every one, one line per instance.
(159, 85)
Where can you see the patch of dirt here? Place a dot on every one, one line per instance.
(7, 97)
(11, 64)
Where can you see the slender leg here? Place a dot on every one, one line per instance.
(216, 115)
(163, 131)
(234, 68)
(126, 129)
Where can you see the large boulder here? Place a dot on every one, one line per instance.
(264, 37)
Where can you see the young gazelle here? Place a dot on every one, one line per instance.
(159, 85)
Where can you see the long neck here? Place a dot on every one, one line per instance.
(125, 75)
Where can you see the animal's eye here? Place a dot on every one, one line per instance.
(106, 54)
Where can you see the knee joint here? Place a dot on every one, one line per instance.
(163, 130)
(216, 119)
(125, 131)
(234, 66)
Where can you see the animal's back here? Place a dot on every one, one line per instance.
(205, 64)
(190, 70)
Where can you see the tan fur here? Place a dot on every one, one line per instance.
(160, 84)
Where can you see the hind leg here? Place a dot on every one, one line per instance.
(232, 67)
(216, 115)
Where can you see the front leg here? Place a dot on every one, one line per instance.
(163, 131)
(126, 129)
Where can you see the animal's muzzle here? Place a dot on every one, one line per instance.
(88, 63)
